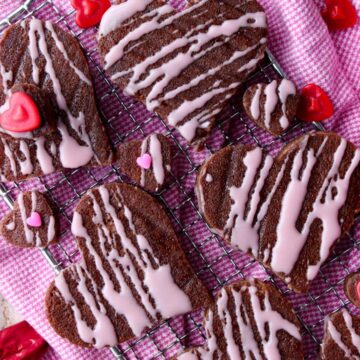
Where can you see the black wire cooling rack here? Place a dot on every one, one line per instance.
(214, 262)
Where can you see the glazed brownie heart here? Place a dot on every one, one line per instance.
(146, 162)
(288, 213)
(272, 106)
(342, 337)
(50, 63)
(184, 66)
(250, 320)
(31, 223)
(134, 273)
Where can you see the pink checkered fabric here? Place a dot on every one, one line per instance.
(300, 41)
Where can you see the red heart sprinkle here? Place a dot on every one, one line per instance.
(89, 12)
(339, 14)
(315, 104)
(358, 290)
(23, 114)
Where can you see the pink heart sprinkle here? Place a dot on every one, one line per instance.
(34, 220)
(144, 161)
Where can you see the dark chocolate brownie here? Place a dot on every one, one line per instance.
(134, 273)
(32, 222)
(150, 172)
(52, 66)
(342, 337)
(250, 320)
(184, 66)
(289, 212)
(272, 106)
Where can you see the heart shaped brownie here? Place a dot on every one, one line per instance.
(31, 223)
(250, 320)
(134, 273)
(52, 69)
(272, 106)
(146, 162)
(184, 66)
(342, 337)
(287, 212)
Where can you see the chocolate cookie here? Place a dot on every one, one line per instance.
(272, 106)
(134, 273)
(31, 223)
(352, 288)
(184, 66)
(342, 337)
(250, 320)
(146, 162)
(287, 212)
(52, 68)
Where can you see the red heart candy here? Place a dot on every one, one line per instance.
(89, 12)
(358, 290)
(315, 104)
(339, 14)
(23, 114)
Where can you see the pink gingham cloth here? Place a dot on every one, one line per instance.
(308, 53)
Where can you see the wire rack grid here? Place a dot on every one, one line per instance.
(214, 262)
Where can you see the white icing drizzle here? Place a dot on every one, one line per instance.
(51, 229)
(6, 76)
(10, 226)
(326, 208)
(264, 316)
(103, 332)
(355, 338)
(26, 165)
(273, 320)
(43, 157)
(169, 299)
(208, 178)
(143, 151)
(34, 52)
(61, 48)
(118, 14)
(212, 348)
(274, 92)
(196, 39)
(29, 235)
(249, 344)
(152, 145)
(187, 356)
(255, 103)
(232, 348)
(10, 156)
(271, 100)
(157, 159)
(243, 231)
(337, 337)
(286, 88)
(69, 145)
